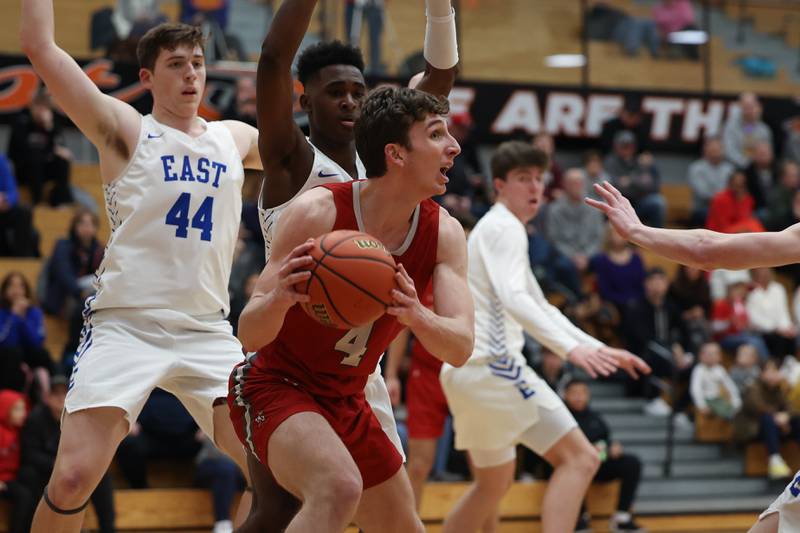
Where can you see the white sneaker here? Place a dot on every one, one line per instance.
(223, 526)
(682, 421)
(778, 469)
(657, 407)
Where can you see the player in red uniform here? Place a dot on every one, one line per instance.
(299, 404)
(425, 401)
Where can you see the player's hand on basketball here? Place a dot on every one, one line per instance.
(617, 208)
(393, 388)
(405, 306)
(627, 361)
(592, 360)
(294, 269)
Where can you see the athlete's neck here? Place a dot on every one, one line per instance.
(343, 154)
(190, 125)
(387, 209)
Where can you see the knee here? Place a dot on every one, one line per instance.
(70, 487)
(419, 467)
(341, 491)
(587, 461)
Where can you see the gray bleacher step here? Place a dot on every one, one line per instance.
(693, 487)
(618, 421)
(721, 468)
(618, 405)
(601, 389)
(712, 504)
(629, 436)
(651, 453)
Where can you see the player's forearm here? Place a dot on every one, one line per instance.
(286, 32)
(448, 339)
(260, 321)
(36, 30)
(440, 48)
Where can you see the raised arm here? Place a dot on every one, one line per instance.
(440, 48)
(447, 331)
(700, 248)
(110, 124)
(309, 216)
(286, 155)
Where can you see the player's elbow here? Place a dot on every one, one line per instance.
(461, 351)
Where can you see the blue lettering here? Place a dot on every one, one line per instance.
(167, 161)
(202, 170)
(187, 175)
(220, 168)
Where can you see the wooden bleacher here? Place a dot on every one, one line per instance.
(710, 428)
(756, 458)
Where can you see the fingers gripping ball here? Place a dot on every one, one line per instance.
(351, 280)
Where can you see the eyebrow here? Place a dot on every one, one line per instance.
(435, 122)
(344, 82)
(181, 56)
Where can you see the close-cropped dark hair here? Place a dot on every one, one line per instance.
(516, 154)
(387, 115)
(575, 381)
(320, 55)
(5, 303)
(167, 36)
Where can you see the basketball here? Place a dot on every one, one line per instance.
(351, 280)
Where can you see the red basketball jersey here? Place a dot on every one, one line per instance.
(419, 354)
(334, 362)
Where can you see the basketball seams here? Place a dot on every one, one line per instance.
(327, 297)
(353, 283)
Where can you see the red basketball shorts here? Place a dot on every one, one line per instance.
(427, 406)
(260, 402)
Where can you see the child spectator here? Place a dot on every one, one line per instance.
(39, 439)
(731, 323)
(615, 463)
(765, 415)
(745, 370)
(711, 387)
(23, 503)
(21, 336)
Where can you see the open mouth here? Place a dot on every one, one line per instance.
(189, 92)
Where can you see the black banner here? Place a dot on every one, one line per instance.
(500, 111)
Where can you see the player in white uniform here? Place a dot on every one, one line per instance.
(708, 250)
(173, 196)
(333, 81)
(496, 399)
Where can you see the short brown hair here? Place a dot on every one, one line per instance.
(386, 117)
(516, 154)
(167, 36)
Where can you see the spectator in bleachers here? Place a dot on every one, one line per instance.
(615, 463)
(607, 23)
(70, 274)
(466, 194)
(637, 178)
(768, 309)
(594, 171)
(619, 272)
(164, 430)
(213, 16)
(575, 229)
(653, 329)
(780, 198)
(765, 415)
(712, 389)
(630, 118)
(117, 30)
(732, 209)
(707, 177)
(762, 174)
(22, 352)
(38, 153)
(242, 106)
(12, 486)
(743, 130)
(554, 271)
(791, 138)
(731, 321)
(553, 176)
(674, 16)
(356, 12)
(720, 279)
(691, 292)
(17, 236)
(216, 472)
(745, 369)
(40, 436)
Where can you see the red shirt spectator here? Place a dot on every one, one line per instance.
(731, 210)
(12, 416)
(673, 15)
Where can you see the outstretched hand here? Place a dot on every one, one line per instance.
(592, 360)
(633, 365)
(617, 208)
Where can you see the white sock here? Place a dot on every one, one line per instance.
(621, 517)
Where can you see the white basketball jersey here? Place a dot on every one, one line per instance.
(323, 170)
(174, 215)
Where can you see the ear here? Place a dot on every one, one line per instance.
(395, 154)
(305, 105)
(499, 185)
(146, 77)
